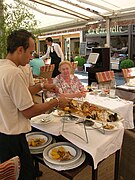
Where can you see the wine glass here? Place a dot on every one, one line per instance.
(94, 87)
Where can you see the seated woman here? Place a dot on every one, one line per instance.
(68, 84)
(36, 63)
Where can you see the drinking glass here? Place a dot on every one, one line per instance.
(94, 87)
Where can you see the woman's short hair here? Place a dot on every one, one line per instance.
(65, 62)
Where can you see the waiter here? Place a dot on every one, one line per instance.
(54, 51)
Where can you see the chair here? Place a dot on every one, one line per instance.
(74, 66)
(47, 70)
(10, 169)
(129, 75)
(106, 78)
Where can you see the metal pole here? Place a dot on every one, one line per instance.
(108, 32)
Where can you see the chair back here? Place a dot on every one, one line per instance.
(129, 74)
(74, 66)
(10, 169)
(106, 76)
(106, 79)
(47, 70)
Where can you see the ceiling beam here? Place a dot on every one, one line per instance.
(86, 9)
(60, 8)
(43, 12)
(96, 5)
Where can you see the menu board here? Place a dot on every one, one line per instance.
(93, 57)
(83, 49)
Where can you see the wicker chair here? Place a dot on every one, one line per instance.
(105, 78)
(10, 169)
(129, 75)
(46, 71)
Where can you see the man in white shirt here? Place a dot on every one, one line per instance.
(55, 53)
(16, 103)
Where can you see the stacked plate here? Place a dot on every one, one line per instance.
(63, 156)
(38, 141)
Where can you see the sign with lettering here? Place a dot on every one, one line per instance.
(99, 30)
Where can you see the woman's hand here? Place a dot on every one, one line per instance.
(80, 94)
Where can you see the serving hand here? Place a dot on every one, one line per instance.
(51, 88)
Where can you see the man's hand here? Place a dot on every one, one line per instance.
(63, 102)
(51, 88)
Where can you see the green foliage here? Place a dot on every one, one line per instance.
(14, 16)
(81, 60)
(127, 63)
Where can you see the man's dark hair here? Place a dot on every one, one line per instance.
(18, 38)
(49, 39)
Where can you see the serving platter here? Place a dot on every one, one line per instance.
(74, 151)
(89, 111)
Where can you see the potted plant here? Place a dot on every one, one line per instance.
(127, 63)
(81, 62)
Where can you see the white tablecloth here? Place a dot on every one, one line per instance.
(125, 87)
(99, 145)
(126, 92)
(122, 107)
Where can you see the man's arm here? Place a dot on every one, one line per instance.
(40, 86)
(47, 55)
(38, 109)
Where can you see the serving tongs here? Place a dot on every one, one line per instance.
(90, 123)
(86, 136)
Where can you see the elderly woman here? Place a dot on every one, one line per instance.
(68, 84)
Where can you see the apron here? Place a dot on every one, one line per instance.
(55, 59)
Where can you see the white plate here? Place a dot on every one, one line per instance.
(48, 99)
(75, 152)
(58, 113)
(42, 119)
(42, 135)
(116, 126)
(67, 166)
(37, 151)
(94, 126)
(130, 85)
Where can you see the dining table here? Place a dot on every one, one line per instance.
(97, 142)
(126, 92)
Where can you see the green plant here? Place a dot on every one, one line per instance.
(127, 63)
(14, 16)
(81, 60)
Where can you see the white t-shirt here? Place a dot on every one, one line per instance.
(14, 97)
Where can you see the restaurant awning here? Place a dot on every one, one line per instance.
(68, 13)
(57, 15)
